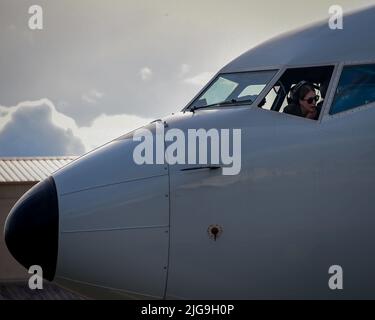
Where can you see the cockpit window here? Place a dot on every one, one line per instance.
(299, 92)
(356, 88)
(233, 89)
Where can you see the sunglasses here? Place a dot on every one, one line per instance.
(311, 99)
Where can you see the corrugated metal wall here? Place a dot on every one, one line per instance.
(10, 269)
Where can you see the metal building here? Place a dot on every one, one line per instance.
(18, 175)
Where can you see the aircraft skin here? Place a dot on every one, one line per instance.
(302, 202)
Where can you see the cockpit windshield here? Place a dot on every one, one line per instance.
(233, 89)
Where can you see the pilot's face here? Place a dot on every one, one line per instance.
(308, 103)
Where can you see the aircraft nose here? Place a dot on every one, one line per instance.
(32, 226)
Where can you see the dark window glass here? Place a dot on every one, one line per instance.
(356, 88)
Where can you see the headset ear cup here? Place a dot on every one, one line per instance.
(294, 91)
(289, 99)
(293, 94)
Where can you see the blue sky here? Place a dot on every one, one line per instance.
(101, 68)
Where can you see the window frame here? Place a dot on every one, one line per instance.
(255, 102)
(327, 101)
(280, 70)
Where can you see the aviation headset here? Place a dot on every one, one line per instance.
(294, 92)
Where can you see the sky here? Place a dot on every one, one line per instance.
(99, 69)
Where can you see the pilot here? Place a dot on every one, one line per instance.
(303, 101)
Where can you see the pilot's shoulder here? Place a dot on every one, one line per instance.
(291, 109)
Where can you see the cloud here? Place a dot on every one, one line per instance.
(28, 130)
(200, 79)
(92, 96)
(185, 68)
(108, 127)
(87, 99)
(146, 73)
(97, 94)
(36, 128)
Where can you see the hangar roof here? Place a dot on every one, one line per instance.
(30, 169)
